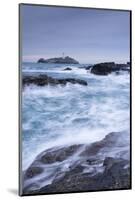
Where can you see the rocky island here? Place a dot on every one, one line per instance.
(60, 60)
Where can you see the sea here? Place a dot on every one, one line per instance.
(71, 114)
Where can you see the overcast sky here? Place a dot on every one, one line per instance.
(88, 35)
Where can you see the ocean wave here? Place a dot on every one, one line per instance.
(73, 114)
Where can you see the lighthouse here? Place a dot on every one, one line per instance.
(63, 55)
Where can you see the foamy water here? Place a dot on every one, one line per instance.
(72, 114)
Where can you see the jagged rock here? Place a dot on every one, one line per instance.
(111, 140)
(33, 171)
(116, 176)
(93, 168)
(42, 80)
(57, 155)
(109, 67)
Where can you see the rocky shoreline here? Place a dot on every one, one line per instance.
(102, 69)
(42, 80)
(102, 165)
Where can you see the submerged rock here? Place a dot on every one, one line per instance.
(68, 69)
(42, 80)
(109, 67)
(100, 165)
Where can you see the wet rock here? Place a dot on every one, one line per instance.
(93, 168)
(88, 67)
(110, 161)
(30, 189)
(73, 81)
(57, 155)
(102, 68)
(42, 80)
(33, 171)
(116, 174)
(109, 141)
(68, 69)
(108, 67)
(76, 169)
(114, 177)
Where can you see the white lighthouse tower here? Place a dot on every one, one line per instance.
(63, 55)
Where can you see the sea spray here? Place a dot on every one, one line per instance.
(72, 114)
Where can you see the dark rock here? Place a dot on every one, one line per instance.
(73, 81)
(115, 177)
(60, 60)
(114, 173)
(42, 60)
(30, 189)
(93, 161)
(93, 149)
(57, 155)
(67, 69)
(77, 169)
(33, 171)
(117, 73)
(109, 67)
(111, 140)
(102, 68)
(42, 80)
(123, 67)
(88, 67)
(110, 161)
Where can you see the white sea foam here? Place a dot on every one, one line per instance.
(73, 114)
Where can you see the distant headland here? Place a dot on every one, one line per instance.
(60, 60)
